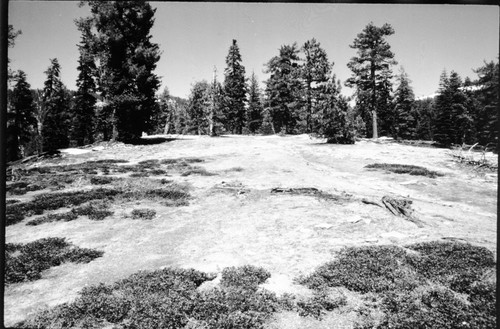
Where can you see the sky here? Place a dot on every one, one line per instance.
(195, 37)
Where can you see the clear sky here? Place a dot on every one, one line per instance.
(195, 37)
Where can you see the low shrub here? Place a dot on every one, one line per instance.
(64, 217)
(430, 307)
(157, 172)
(405, 169)
(14, 213)
(171, 192)
(52, 201)
(145, 213)
(27, 262)
(232, 307)
(94, 210)
(246, 277)
(22, 187)
(453, 264)
(149, 163)
(197, 171)
(100, 180)
(426, 285)
(158, 299)
(181, 160)
(139, 174)
(365, 269)
(319, 304)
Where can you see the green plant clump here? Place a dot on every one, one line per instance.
(166, 298)
(26, 262)
(97, 210)
(424, 285)
(405, 169)
(51, 201)
(145, 213)
(64, 217)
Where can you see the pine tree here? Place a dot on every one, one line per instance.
(121, 41)
(372, 73)
(21, 120)
(451, 112)
(234, 90)
(11, 39)
(334, 122)
(487, 96)
(255, 108)
(216, 117)
(284, 89)
(315, 73)
(404, 122)
(56, 106)
(199, 107)
(425, 115)
(84, 116)
(181, 118)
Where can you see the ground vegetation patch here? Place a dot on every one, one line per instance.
(405, 169)
(26, 262)
(429, 285)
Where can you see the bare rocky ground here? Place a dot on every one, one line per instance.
(234, 219)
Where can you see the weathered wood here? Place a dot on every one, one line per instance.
(373, 202)
(401, 207)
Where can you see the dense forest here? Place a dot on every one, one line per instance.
(117, 96)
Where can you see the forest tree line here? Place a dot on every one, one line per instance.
(117, 93)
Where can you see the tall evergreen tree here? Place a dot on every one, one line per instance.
(165, 116)
(56, 104)
(284, 89)
(199, 107)
(255, 107)
(371, 72)
(21, 121)
(234, 90)
(487, 95)
(452, 117)
(315, 73)
(84, 116)
(404, 122)
(121, 42)
(334, 121)
(425, 119)
(11, 40)
(216, 116)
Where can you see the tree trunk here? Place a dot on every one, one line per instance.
(374, 119)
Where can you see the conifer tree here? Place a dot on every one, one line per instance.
(371, 73)
(121, 41)
(334, 121)
(21, 120)
(487, 96)
(315, 73)
(452, 118)
(11, 39)
(216, 116)
(56, 106)
(425, 119)
(234, 90)
(255, 108)
(198, 107)
(284, 89)
(84, 116)
(404, 121)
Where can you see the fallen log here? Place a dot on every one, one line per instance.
(402, 208)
